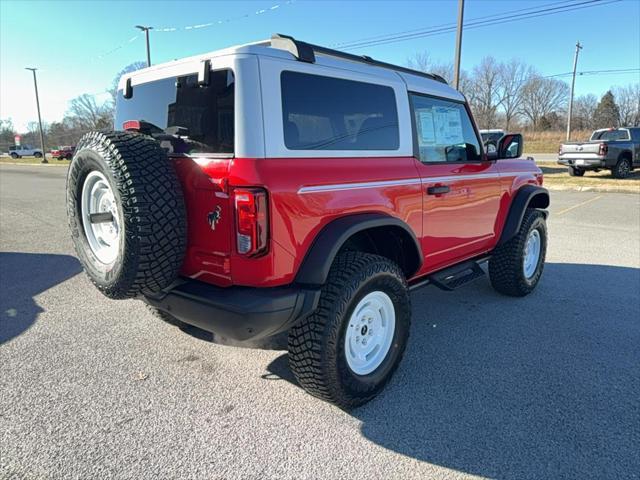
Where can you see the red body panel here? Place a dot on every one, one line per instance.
(463, 223)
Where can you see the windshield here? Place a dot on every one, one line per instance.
(610, 135)
(206, 112)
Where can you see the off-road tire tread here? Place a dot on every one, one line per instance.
(153, 210)
(505, 265)
(307, 345)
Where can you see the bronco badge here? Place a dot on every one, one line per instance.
(214, 217)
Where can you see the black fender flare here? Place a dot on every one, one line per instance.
(314, 269)
(529, 196)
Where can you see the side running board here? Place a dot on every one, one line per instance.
(454, 277)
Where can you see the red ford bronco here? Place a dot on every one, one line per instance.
(282, 188)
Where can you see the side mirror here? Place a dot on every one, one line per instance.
(509, 146)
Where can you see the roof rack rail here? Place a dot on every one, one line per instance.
(305, 52)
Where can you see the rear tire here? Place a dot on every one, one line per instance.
(37, 155)
(509, 271)
(327, 348)
(15, 156)
(139, 249)
(622, 169)
(576, 172)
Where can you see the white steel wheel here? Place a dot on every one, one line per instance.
(532, 250)
(100, 217)
(369, 333)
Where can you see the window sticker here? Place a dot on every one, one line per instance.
(427, 133)
(448, 126)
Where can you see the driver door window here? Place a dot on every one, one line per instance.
(444, 131)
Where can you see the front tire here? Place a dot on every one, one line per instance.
(622, 169)
(515, 267)
(37, 155)
(576, 172)
(348, 349)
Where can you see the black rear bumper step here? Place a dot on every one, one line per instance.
(237, 313)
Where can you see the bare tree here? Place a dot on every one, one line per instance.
(85, 113)
(541, 96)
(584, 107)
(7, 134)
(423, 62)
(628, 99)
(485, 94)
(512, 76)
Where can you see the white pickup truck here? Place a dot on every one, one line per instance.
(615, 149)
(17, 151)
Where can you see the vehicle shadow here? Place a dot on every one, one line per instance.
(22, 277)
(546, 386)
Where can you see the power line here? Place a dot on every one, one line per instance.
(597, 72)
(448, 25)
(214, 23)
(505, 17)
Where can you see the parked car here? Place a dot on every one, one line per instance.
(283, 188)
(19, 151)
(615, 149)
(492, 135)
(62, 153)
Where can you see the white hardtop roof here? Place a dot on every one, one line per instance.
(415, 82)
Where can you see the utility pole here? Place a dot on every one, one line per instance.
(35, 84)
(146, 32)
(456, 67)
(573, 82)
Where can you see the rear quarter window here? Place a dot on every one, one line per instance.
(325, 113)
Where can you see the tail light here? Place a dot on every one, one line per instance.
(251, 220)
(560, 149)
(604, 148)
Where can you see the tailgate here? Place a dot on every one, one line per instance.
(579, 149)
(209, 218)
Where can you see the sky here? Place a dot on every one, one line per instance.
(80, 46)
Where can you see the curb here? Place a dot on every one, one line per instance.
(578, 188)
(36, 164)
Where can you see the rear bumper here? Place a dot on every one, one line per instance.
(237, 313)
(584, 163)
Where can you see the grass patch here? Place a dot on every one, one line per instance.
(549, 142)
(557, 178)
(32, 161)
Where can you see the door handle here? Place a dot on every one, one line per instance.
(439, 190)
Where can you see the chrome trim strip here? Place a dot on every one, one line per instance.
(357, 186)
(392, 183)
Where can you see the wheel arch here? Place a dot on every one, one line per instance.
(528, 196)
(368, 232)
(625, 154)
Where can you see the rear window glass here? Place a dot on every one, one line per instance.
(206, 112)
(323, 113)
(611, 135)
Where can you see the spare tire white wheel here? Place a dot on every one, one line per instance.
(126, 213)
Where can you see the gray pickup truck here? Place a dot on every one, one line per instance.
(615, 149)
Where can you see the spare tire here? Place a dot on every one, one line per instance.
(126, 213)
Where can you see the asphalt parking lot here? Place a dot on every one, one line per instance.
(542, 387)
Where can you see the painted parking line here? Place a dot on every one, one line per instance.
(581, 204)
